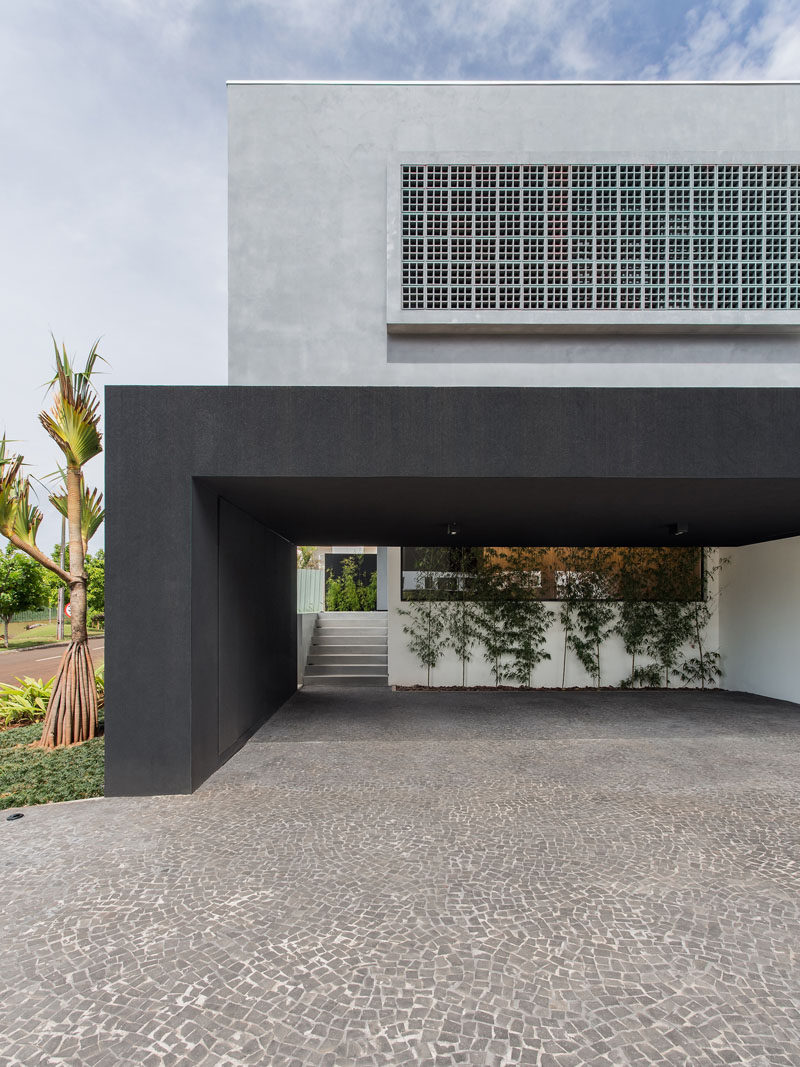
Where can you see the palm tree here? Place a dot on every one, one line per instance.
(73, 423)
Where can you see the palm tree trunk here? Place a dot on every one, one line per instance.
(72, 709)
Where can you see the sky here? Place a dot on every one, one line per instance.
(113, 142)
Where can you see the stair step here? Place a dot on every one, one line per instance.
(346, 680)
(350, 620)
(348, 648)
(331, 669)
(367, 616)
(366, 631)
(347, 639)
(317, 659)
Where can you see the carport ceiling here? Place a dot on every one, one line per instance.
(561, 511)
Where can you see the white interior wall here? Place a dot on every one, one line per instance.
(305, 632)
(759, 614)
(405, 669)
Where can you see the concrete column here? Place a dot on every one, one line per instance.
(383, 578)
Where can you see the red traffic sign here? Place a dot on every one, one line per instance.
(68, 610)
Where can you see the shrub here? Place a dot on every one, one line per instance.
(100, 684)
(347, 593)
(26, 703)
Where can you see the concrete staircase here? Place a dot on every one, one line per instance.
(348, 648)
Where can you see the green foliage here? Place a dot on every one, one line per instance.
(24, 703)
(671, 625)
(100, 683)
(492, 613)
(461, 631)
(635, 621)
(95, 566)
(645, 677)
(569, 595)
(635, 618)
(22, 585)
(703, 670)
(96, 583)
(27, 702)
(638, 593)
(41, 776)
(594, 614)
(671, 630)
(705, 666)
(490, 623)
(426, 631)
(92, 510)
(347, 593)
(528, 623)
(305, 556)
(73, 420)
(526, 619)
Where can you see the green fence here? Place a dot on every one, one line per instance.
(310, 597)
(310, 591)
(40, 615)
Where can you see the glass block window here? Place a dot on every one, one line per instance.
(600, 237)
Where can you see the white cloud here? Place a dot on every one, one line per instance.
(732, 40)
(114, 143)
(170, 22)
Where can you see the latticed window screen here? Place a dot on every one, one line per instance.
(607, 237)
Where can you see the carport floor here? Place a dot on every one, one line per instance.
(383, 878)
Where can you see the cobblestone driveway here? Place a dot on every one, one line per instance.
(406, 878)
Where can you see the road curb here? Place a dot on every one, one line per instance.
(49, 644)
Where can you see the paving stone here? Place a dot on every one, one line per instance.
(404, 878)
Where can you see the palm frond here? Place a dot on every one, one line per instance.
(73, 420)
(10, 466)
(19, 518)
(92, 510)
(10, 462)
(27, 516)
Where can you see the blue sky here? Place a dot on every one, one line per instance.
(114, 143)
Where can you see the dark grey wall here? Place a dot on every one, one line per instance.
(257, 650)
(205, 644)
(171, 452)
(243, 633)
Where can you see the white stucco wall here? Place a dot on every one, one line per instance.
(308, 224)
(305, 632)
(405, 669)
(760, 619)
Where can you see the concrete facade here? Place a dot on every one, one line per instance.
(314, 179)
(349, 421)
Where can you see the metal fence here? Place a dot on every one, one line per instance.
(310, 597)
(310, 591)
(40, 615)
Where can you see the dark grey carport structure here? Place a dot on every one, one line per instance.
(209, 488)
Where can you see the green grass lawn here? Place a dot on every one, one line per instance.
(44, 634)
(40, 776)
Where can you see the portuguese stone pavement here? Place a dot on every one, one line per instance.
(383, 878)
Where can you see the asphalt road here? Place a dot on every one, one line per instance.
(41, 662)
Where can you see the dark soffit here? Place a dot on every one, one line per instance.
(416, 511)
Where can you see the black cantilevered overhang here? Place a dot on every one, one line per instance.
(208, 488)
